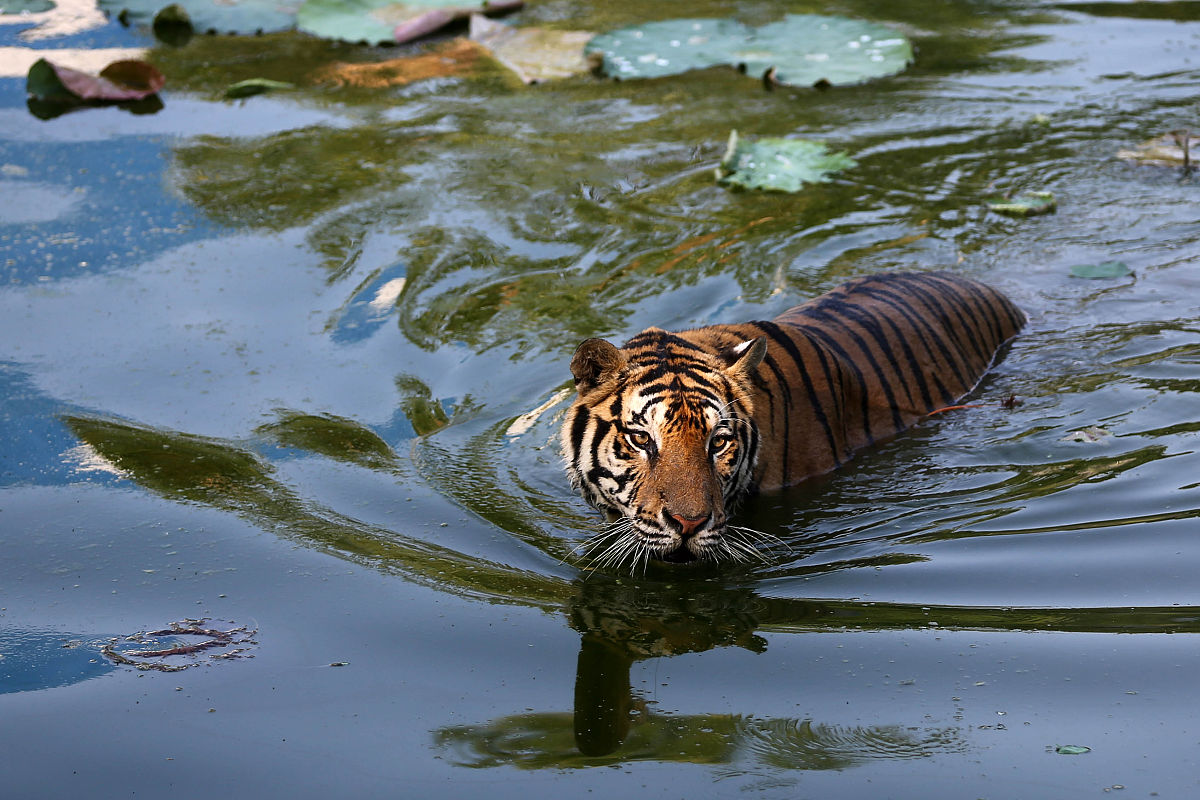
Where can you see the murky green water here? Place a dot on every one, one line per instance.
(294, 365)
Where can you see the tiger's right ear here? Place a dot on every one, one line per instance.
(744, 358)
(595, 362)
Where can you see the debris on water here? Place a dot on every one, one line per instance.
(1023, 204)
(1090, 434)
(152, 647)
(1172, 149)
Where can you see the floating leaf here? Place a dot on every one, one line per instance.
(388, 21)
(799, 50)
(783, 165)
(1105, 269)
(449, 59)
(1072, 749)
(1174, 149)
(221, 16)
(118, 82)
(253, 86)
(1089, 435)
(1025, 204)
(535, 54)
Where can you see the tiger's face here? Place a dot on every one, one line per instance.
(662, 439)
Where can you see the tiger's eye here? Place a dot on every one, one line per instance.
(720, 442)
(639, 439)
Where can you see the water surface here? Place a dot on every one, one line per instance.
(295, 365)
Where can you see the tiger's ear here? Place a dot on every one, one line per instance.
(595, 362)
(745, 357)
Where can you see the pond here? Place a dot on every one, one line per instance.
(288, 370)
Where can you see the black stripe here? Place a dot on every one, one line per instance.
(926, 333)
(579, 424)
(934, 301)
(818, 313)
(985, 314)
(871, 322)
(784, 341)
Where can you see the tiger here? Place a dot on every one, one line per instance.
(667, 434)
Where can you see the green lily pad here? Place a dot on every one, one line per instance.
(781, 165)
(1105, 269)
(803, 49)
(1072, 749)
(534, 54)
(221, 16)
(253, 86)
(1024, 204)
(387, 21)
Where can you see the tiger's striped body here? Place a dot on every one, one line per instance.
(670, 431)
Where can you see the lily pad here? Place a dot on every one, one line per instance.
(781, 165)
(1105, 269)
(534, 54)
(118, 82)
(1174, 149)
(220, 16)
(1024, 204)
(1072, 749)
(802, 49)
(388, 21)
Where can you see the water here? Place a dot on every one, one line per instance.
(295, 365)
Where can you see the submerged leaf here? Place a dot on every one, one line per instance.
(798, 50)
(253, 86)
(1105, 269)
(1025, 204)
(783, 165)
(535, 54)
(1174, 149)
(450, 59)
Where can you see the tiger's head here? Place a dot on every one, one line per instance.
(662, 439)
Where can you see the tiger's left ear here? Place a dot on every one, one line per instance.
(596, 361)
(745, 357)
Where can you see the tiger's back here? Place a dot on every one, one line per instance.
(866, 361)
(670, 431)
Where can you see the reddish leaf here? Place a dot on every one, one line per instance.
(119, 81)
(135, 76)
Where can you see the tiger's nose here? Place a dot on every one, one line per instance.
(688, 526)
